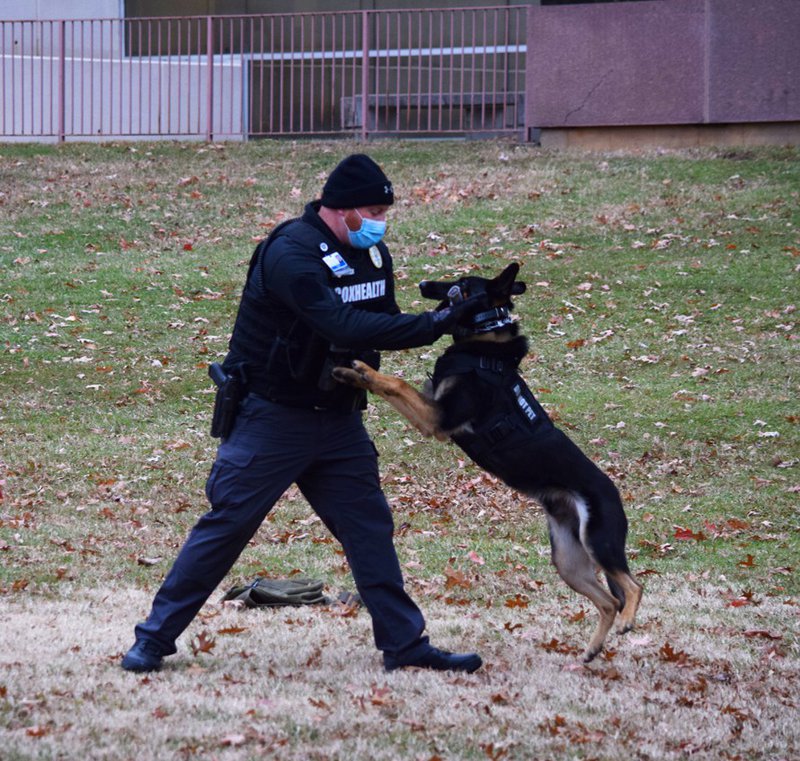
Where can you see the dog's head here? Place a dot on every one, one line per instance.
(497, 292)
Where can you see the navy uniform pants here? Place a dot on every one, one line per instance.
(331, 458)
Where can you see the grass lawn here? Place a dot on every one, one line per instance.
(662, 317)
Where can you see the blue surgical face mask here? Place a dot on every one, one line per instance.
(370, 233)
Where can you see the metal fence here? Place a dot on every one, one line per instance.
(362, 73)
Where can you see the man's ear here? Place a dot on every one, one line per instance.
(351, 217)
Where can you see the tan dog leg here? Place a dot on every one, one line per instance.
(633, 596)
(578, 570)
(420, 412)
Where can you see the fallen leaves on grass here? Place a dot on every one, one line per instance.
(203, 643)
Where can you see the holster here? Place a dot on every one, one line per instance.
(231, 389)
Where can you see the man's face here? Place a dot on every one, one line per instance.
(353, 217)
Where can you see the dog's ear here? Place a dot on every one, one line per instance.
(433, 289)
(505, 284)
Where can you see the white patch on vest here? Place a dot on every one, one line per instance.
(523, 404)
(338, 265)
(362, 291)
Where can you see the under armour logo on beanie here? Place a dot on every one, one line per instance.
(357, 181)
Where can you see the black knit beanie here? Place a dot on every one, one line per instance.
(357, 181)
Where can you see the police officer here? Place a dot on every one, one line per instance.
(319, 292)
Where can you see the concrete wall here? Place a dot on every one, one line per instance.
(675, 62)
(122, 98)
(14, 10)
(754, 60)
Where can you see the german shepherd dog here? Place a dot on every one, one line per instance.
(477, 398)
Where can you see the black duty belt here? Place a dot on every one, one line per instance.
(299, 404)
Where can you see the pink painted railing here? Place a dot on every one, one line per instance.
(453, 71)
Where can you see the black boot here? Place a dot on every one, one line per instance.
(438, 660)
(145, 655)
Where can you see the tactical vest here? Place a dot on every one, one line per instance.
(510, 415)
(283, 359)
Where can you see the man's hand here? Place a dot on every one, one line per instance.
(449, 318)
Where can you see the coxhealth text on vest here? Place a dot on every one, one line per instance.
(362, 291)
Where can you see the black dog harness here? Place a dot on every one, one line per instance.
(509, 414)
(485, 322)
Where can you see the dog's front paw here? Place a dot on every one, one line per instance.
(353, 376)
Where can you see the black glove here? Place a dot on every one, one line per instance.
(450, 317)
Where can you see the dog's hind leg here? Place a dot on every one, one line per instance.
(633, 596)
(604, 537)
(566, 517)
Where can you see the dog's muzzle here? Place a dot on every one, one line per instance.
(481, 322)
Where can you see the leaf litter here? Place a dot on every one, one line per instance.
(121, 286)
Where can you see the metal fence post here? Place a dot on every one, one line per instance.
(364, 71)
(62, 81)
(210, 88)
